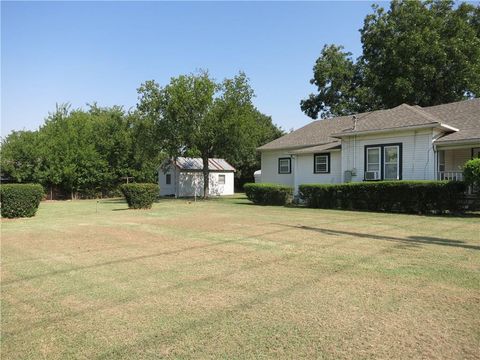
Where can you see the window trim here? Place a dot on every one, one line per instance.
(289, 165)
(327, 155)
(440, 163)
(167, 177)
(398, 161)
(382, 159)
(379, 157)
(224, 179)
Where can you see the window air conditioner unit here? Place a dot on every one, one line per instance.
(372, 175)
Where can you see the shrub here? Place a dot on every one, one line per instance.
(140, 196)
(390, 196)
(268, 194)
(20, 200)
(471, 171)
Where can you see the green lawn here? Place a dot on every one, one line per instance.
(226, 279)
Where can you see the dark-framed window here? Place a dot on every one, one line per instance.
(168, 179)
(321, 163)
(221, 179)
(385, 160)
(285, 165)
(475, 152)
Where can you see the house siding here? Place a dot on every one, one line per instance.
(304, 173)
(270, 168)
(418, 158)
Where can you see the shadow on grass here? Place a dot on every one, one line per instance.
(113, 201)
(409, 240)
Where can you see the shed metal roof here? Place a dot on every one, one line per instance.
(196, 164)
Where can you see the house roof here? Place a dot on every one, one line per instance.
(464, 115)
(196, 164)
(318, 148)
(316, 133)
(460, 120)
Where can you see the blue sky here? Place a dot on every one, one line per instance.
(80, 52)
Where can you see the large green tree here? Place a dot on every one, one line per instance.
(420, 53)
(194, 115)
(80, 152)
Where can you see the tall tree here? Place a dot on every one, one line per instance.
(20, 157)
(420, 53)
(194, 115)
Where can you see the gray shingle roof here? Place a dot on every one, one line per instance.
(196, 164)
(463, 115)
(318, 148)
(316, 133)
(399, 117)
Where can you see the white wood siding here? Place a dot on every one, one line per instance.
(270, 168)
(418, 158)
(305, 174)
(186, 184)
(166, 190)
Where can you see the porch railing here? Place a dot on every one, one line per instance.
(450, 175)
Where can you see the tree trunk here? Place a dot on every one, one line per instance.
(206, 180)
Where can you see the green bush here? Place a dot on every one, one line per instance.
(390, 196)
(140, 196)
(268, 194)
(20, 200)
(471, 171)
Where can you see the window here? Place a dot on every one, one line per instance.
(391, 166)
(385, 160)
(441, 160)
(168, 179)
(373, 159)
(221, 179)
(321, 163)
(475, 153)
(284, 166)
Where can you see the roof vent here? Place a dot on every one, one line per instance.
(354, 119)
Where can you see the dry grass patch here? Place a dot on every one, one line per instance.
(225, 279)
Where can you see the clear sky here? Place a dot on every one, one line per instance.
(81, 52)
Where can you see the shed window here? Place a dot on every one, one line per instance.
(321, 163)
(168, 179)
(221, 179)
(284, 166)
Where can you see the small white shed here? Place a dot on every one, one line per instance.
(183, 177)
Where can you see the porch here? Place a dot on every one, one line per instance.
(450, 162)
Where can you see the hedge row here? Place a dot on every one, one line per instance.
(268, 194)
(20, 200)
(390, 196)
(140, 196)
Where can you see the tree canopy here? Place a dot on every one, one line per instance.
(420, 53)
(90, 152)
(193, 115)
(78, 152)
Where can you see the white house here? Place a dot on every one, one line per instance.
(184, 177)
(403, 143)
